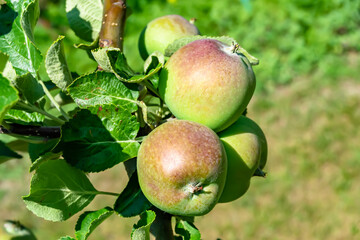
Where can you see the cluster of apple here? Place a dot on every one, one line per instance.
(210, 152)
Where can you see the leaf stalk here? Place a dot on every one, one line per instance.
(53, 101)
(39, 110)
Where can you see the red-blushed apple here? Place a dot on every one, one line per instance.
(207, 82)
(244, 144)
(162, 31)
(182, 168)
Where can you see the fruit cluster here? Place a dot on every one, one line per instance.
(210, 152)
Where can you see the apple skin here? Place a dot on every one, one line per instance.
(206, 82)
(162, 31)
(182, 168)
(244, 146)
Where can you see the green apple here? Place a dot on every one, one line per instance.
(182, 168)
(162, 31)
(245, 145)
(207, 82)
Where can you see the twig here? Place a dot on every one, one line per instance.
(113, 25)
(28, 130)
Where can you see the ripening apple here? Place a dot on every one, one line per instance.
(207, 82)
(162, 31)
(182, 168)
(245, 145)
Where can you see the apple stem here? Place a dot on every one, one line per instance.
(192, 20)
(259, 173)
(196, 188)
(235, 47)
(112, 29)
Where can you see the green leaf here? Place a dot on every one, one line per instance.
(187, 230)
(7, 17)
(29, 19)
(179, 43)
(29, 88)
(9, 72)
(8, 96)
(6, 153)
(114, 61)
(156, 111)
(103, 88)
(85, 18)
(131, 201)
(7, 138)
(86, 46)
(67, 238)
(99, 138)
(43, 158)
(153, 61)
(56, 65)
(24, 118)
(36, 150)
(58, 191)
(141, 230)
(18, 43)
(88, 221)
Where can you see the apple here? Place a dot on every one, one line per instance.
(207, 82)
(162, 31)
(182, 168)
(245, 145)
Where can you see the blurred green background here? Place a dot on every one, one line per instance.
(307, 101)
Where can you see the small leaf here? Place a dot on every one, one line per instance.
(85, 18)
(9, 72)
(24, 118)
(7, 17)
(156, 111)
(56, 65)
(99, 138)
(131, 201)
(179, 43)
(103, 88)
(187, 230)
(58, 191)
(67, 238)
(6, 153)
(88, 221)
(45, 157)
(29, 88)
(141, 230)
(114, 61)
(8, 96)
(18, 43)
(153, 61)
(90, 46)
(29, 19)
(36, 150)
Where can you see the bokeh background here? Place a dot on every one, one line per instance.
(307, 102)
